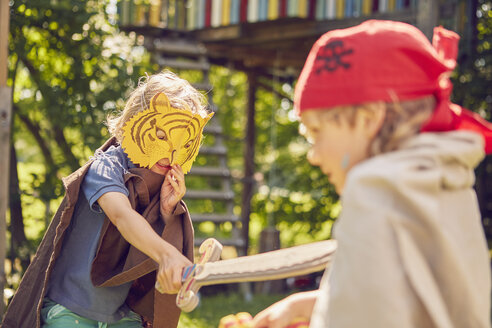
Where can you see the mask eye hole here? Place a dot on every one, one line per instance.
(188, 144)
(160, 134)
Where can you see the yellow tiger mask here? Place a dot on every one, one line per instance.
(162, 131)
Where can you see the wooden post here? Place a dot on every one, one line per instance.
(249, 160)
(4, 37)
(427, 16)
(5, 114)
(270, 241)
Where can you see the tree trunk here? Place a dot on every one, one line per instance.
(19, 246)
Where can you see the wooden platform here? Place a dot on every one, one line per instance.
(268, 48)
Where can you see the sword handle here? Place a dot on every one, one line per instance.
(187, 300)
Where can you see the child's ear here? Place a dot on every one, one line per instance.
(372, 118)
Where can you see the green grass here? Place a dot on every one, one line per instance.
(212, 308)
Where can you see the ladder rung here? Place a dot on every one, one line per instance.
(180, 64)
(202, 86)
(210, 171)
(179, 48)
(213, 108)
(217, 150)
(209, 194)
(226, 242)
(212, 129)
(217, 218)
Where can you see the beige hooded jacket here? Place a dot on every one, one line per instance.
(411, 250)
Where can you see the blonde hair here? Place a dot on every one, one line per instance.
(402, 121)
(181, 95)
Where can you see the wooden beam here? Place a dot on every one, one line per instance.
(249, 159)
(218, 34)
(258, 57)
(282, 44)
(288, 29)
(4, 40)
(405, 15)
(5, 118)
(5, 113)
(257, 33)
(427, 16)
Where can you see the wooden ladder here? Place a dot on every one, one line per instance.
(216, 194)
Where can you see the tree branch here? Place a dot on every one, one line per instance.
(270, 88)
(19, 246)
(72, 161)
(34, 129)
(59, 136)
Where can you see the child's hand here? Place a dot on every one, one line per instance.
(244, 320)
(170, 271)
(239, 320)
(287, 312)
(172, 190)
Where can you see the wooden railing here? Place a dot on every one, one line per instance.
(189, 15)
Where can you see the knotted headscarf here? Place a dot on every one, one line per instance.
(386, 61)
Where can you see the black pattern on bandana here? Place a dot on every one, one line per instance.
(331, 57)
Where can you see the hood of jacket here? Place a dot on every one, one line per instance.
(457, 153)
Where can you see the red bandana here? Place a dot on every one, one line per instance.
(388, 61)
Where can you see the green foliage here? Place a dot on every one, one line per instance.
(69, 68)
(290, 193)
(473, 77)
(473, 89)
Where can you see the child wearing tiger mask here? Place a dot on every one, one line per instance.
(114, 252)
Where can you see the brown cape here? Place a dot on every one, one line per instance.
(116, 261)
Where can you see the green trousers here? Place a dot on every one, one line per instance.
(54, 315)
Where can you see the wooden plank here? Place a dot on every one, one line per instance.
(213, 150)
(236, 242)
(282, 29)
(209, 194)
(212, 129)
(202, 86)
(212, 217)
(182, 64)
(218, 34)
(210, 171)
(249, 160)
(258, 57)
(171, 46)
(5, 118)
(288, 29)
(4, 37)
(427, 16)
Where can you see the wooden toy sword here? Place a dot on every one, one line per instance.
(279, 264)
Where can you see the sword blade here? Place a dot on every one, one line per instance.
(279, 264)
(283, 263)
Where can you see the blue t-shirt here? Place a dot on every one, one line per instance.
(70, 283)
